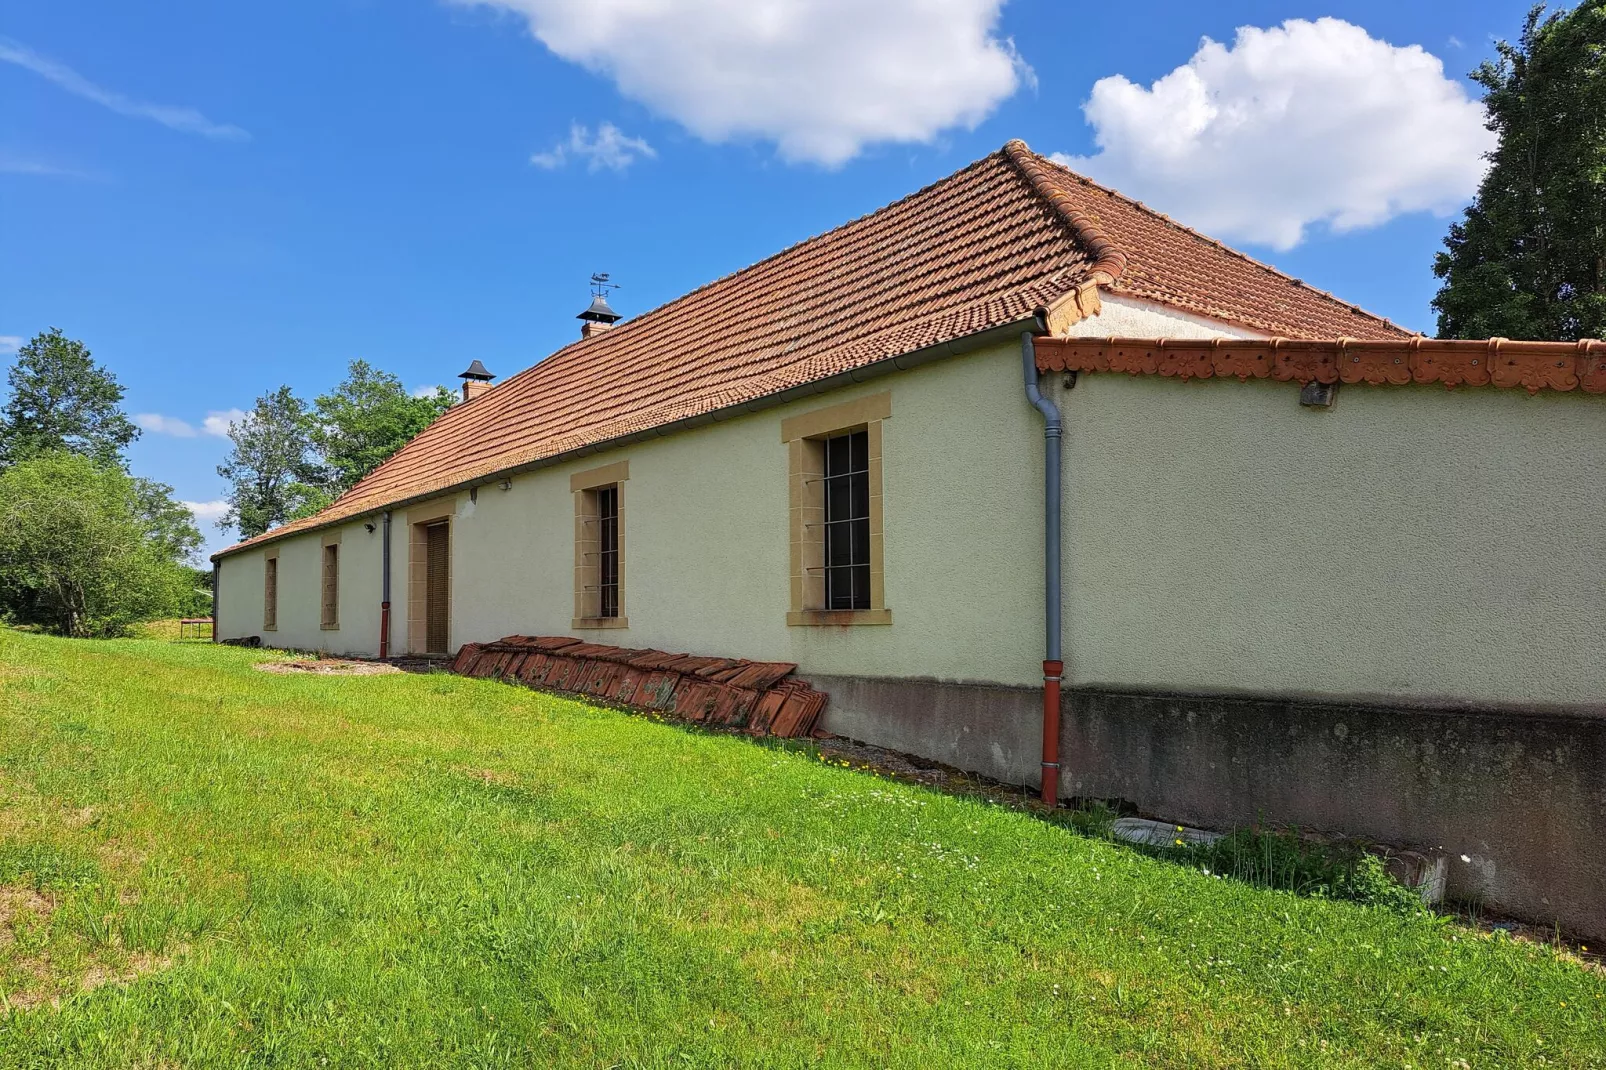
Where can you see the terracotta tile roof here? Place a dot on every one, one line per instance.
(1153, 257)
(985, 247)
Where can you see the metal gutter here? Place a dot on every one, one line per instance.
(1053, 492)
(954, 347)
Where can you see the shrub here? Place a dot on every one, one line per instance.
(76, 552)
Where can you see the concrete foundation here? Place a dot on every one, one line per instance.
(1516, 799)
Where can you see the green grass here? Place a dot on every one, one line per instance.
(232, 868)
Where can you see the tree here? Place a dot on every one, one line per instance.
(62, 400)
(271, 469)
(75, 551)
(365, 419)
(1528, 260)
(166, 521)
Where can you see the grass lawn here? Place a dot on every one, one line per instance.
(206, 865)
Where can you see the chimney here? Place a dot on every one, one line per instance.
(598, 317)
(476, 380)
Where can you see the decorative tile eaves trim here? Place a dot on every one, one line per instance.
(1500, 362)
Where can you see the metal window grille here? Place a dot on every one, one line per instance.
(847, 521)
(608, 551)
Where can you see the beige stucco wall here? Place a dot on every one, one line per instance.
(1130, 317)
(300, 586)
(1408, 543)
(706, 541)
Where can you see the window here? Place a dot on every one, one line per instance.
(331, 587)
(847, 521)
(270, 593)
(608, 551)
(834, 475)
(599, 546)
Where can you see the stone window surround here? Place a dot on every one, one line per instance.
(583, 486)
(325, 623)
(418, 519)
(270, 589)
(804, 436)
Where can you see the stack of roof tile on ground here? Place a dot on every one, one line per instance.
(758, 696)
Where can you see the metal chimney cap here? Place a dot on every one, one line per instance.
(599, 312)
(477, 371)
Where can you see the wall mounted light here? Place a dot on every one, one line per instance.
(369, 526)
(506, 484)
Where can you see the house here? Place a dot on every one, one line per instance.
(1016, 420)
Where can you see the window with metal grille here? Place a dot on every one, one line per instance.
(608, 551)
(331, 586)
(270, 594)
(847, 521)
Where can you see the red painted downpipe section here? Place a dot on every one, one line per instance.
(1052, 671)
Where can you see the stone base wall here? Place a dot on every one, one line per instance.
(1516, 800)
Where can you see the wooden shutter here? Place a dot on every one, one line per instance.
(331, 586)
(270, 593)
(437, 587)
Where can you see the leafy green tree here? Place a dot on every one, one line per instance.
(75, 548)
(272, 470)
(62, 400)
(166, 520)
(365, 419)
(1528, 260)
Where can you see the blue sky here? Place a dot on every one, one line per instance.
(220, 198)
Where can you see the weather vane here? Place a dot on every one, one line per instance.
(600, 285)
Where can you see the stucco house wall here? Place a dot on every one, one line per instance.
(1405, 544)
(1408, 543)
(241, 593)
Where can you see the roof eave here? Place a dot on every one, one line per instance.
(1036, 323)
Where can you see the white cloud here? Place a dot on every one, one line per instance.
(1307, 122)
(609, 147)
(206, 510)
(821, 78)
(428, 390)
(174, 117)
(14, 164)
(10, 343)
(156, 423)
(218, 422)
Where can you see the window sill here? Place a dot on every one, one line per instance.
(270, 627)
(579, 623)
(842, 618)
(329, 627)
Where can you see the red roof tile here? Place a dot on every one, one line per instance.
(985, 247)
(1158, 259)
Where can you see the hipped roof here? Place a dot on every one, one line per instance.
(988, 246)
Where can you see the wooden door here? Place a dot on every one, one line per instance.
(437, 587)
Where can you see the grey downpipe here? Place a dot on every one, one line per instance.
(384, 598)
(1053, 662)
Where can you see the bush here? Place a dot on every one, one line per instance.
(76, 551)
